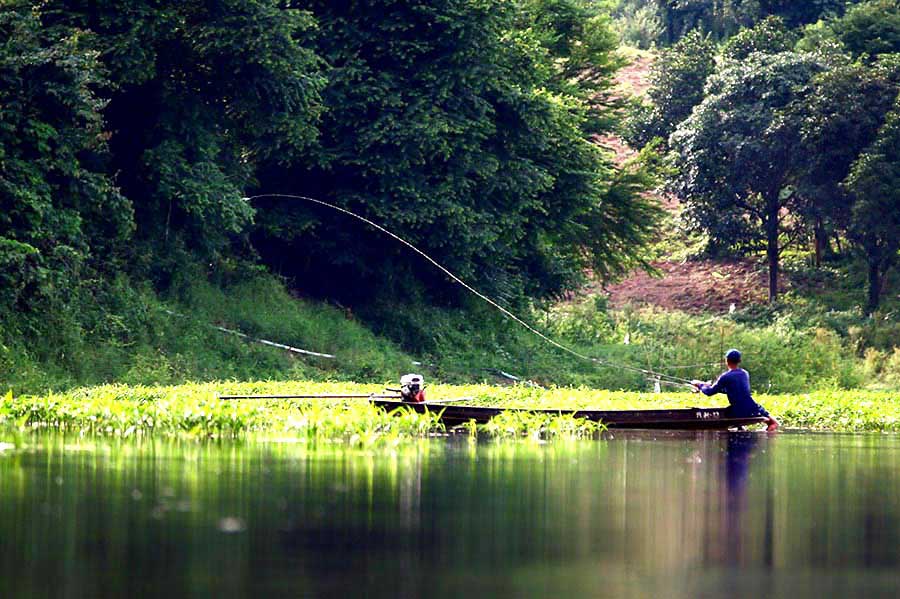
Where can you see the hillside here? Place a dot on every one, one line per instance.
(695, 285)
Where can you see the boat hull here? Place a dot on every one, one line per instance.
(678, 419)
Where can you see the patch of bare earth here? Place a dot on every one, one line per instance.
(694, 286)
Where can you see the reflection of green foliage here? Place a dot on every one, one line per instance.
(306, 516)
(535, 426)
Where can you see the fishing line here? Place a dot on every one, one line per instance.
(456, 279)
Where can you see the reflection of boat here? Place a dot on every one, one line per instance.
(681, 419)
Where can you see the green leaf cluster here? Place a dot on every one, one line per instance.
(131, 134)
(763, 153)
(58, 205)
(464, 126)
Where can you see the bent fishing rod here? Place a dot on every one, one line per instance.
(667, 378)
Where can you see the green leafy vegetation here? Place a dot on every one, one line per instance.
(677, 79)
(132, 141)
(130, 334)
(767, 147)
(645, 23)
(195, 410)
(733, 154)
(134, 336)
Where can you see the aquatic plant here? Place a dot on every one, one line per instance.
(195, 410)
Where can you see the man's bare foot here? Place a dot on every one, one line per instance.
(773, 425)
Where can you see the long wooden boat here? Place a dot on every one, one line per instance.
(452, 412)
(676, 419)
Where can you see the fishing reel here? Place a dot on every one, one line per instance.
(412, 388)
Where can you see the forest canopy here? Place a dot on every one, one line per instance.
(780, 134)
(141, 143)
(131, 136)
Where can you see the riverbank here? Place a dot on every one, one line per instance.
(195, 410)
(134, 336)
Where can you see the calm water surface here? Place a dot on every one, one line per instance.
(634, 515)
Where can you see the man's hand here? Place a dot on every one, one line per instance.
(697, 385)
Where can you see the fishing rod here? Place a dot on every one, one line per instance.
(647, 372)
(320, 396)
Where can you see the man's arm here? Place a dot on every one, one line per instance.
(706, 389)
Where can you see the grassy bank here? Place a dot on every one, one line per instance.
(123, 333)
(195, 410)
(127, 333)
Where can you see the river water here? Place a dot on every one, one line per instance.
(632, 515)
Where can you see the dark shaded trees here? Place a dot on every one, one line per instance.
(796, 13)
(723, 18)
(874, 181)
(465, 128)
(60, 213)
(199, 93)
(871, 28)
(840, 118)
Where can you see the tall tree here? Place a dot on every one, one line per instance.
(769, 36)
(734, 153)
(839, 119)
(60, 214)
(874, 182)
(677, 78)
(200, 92)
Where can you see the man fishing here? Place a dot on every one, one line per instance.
(736, 384)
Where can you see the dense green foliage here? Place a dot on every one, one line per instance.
(461, 126)
(127, 333)
(734, 152)
(871, 28)
(770, 36)
(677, 79)
(195, 410)
(763, 153)
(874, 180)
(664, 22)
(465, 126)
(198, 94)
(129, 337)
(57, 205)
(131, 136)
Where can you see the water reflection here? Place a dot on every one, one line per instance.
(635, 515)
(739, 450)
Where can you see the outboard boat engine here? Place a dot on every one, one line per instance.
(412, 388)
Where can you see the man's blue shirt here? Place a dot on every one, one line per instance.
(736, 384)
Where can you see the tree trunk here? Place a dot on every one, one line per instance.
(772, 249)
(670, 23)
(821, 241)
(874, 286)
